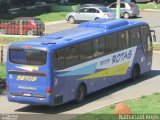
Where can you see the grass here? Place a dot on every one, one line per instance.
(2, 71)
(7, 40)
(142, 105)
(149, 6)
(53, 16)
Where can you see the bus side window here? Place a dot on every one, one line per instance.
(109, 42)
(146, 38)
(98, 47)
(123, 39)
(112, 43)
(59, 59)
(85, 51)
(72, 56)
(135, 36)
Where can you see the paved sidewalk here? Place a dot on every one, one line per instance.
(150, 10)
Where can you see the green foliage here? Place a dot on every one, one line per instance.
(69, 7)
(52, 16)
(2, 71)
(149, 6)
(7, 40)
(90, 116)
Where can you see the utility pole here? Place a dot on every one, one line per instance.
(118, 9)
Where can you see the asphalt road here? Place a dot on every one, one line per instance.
(150, 17)
(153, 19)
(145, 85)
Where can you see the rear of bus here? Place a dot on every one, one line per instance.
(28, 75)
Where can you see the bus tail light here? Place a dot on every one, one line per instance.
(49, 90)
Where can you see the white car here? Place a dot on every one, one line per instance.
(90, 13)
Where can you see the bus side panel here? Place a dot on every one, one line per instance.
(97, 74)
(143, 60)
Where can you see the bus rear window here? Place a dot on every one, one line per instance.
(27, 56)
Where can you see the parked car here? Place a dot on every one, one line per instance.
(128, 9)
(22, 25)
(89, 13)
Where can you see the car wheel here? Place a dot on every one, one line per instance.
(135, 72)
(126, 15)
(80, 94)
(2, 31)
(29, 32)
(71, 20)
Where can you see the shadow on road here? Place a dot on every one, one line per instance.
(94, 96)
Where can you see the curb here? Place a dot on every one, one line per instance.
(56, 22)
(149, 10)
(117, 101)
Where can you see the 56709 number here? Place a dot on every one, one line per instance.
(26, 78)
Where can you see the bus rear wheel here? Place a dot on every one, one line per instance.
(135, 72)
(80, 94)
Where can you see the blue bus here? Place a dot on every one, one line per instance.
(67, 65)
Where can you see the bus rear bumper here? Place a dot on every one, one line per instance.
(30, 100)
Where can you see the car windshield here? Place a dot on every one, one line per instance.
(105, 9)
(27, 56)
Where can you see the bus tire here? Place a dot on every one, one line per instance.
(135, 72)
(80, 94)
